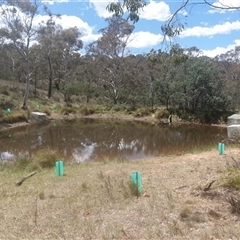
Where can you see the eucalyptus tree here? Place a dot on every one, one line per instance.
(203, 90)
(38, 70)
(109, 53)
(87, 74)
(135, 88)
(18, 18)
(228, 64)
(174, 25)
(7, 63)
(168, 66)
(58, 48)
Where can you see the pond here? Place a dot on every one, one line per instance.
(91, 140)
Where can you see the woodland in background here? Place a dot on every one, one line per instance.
(51, 58)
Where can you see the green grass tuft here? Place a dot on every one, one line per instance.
(14, 117)
(142, 112)
(44, 158)
(87, 110)
(66, 110)
(161, 113)
(233, 182)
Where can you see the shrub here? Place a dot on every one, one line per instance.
(118, 108)
(4, 90)
(86, 110)
(44, 158)
(43, 110)
(2, 113)
(47, 111)
(67, 110)
(141, 112)
(22, 163)
(14, 117)
(233, 182)
(161, 113)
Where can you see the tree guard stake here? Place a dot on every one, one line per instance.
(221, 148)
(137, 180)
(59, 168)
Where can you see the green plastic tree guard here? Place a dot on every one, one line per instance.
(137, 179)
(221, 148)
(59, 168)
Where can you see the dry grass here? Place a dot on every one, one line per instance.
(95, 201)
(16, 116)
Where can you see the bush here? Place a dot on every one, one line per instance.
(86, 110)
(4, 90)
(233, 182)
(118, 108)
(67, 110)
(22, 163)
(44, 158)
(141, 112)
(14, 117)
(161, 113)
(44, 109)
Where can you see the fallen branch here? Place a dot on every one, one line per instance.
(19, 183)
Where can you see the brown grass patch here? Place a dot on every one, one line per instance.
(95, 201)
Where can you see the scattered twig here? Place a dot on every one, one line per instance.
(36, 211)
(235, 204)
(184, 186)
(127, 234)
(237, 165)
(208, 186)
(19, 183)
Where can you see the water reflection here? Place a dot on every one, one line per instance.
(83, 153)
(6, 156)
(91, 140)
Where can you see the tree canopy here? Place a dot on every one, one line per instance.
(173, 26)
(48, 57)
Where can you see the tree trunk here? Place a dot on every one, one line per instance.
(50, 78)
(25, 98)
(35, 83)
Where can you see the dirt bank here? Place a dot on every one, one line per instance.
(106, 116)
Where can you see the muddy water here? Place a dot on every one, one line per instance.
(95, 140)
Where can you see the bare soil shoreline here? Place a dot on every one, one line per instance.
(106, 116)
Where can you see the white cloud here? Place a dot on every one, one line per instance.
(214, 52)
(204, 23)
(72, 21)
(144, 40)
(225, 28)
(156, 11)
(221, 50)
(54, 1)
(66, 21)
(152, 11)
(224, 4)
(100, 7)
(88, 38)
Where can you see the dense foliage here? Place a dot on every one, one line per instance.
(181, 80)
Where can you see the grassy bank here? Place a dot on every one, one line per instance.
(96, 201)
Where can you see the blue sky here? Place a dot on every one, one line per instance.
(213, 31)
